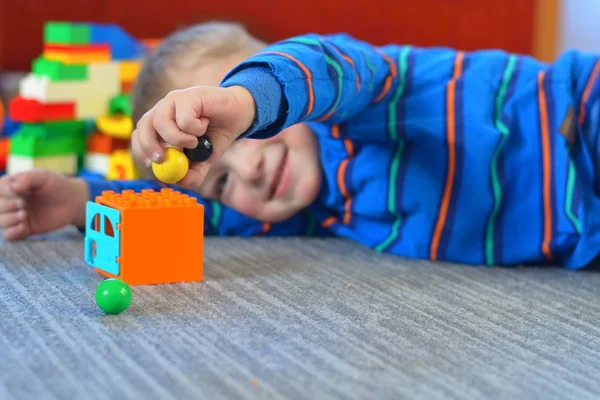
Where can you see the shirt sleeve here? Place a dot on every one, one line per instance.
(314, 78)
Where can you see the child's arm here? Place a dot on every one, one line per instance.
(307, 78)
(315, 78)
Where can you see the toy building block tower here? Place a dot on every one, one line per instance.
(84, 69)
(145, 238)
(3, 141)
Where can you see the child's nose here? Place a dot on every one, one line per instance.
(251, 169)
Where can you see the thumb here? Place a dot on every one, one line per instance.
(221, 140)
(25, 183)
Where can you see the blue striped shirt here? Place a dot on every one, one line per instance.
(484, 158)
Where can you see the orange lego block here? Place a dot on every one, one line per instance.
(126, 87)
(152, 43)
(4, 150)
(104, 144)
(77, 48)
(160, 236)
(77, 54)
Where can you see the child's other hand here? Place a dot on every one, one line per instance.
(40, 201)
(183, 116)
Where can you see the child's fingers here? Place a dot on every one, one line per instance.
(195, 175)
(26, 182)
(16, 232)
(136, 150)
(221, 140)
(9, 219)
(13, 204)
(166, 126)
(6, 187)
(188, 122)
(147, 139)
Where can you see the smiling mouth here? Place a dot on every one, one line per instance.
(277, 181)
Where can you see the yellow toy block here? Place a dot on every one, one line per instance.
(91, 107)
(103, 80)
(118, 126)
(107, 73)
(77, 58)
(121, 166)
(128, 70)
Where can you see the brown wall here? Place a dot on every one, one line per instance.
(465, 24)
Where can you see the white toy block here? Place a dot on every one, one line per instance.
(98, 163)
(66, 164)
(33, 87)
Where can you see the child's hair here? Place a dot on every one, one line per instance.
(182, 51)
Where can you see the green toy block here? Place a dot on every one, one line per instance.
(120, 104)
(49, 139)
(57, 71)
(67, 33)
(59, 127)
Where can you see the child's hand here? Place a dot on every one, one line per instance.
(40, 201)
(183, 116)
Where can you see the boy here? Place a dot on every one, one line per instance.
(479, 158)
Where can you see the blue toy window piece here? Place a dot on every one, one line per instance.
(102, 245)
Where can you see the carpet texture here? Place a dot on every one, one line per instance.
(297, 318)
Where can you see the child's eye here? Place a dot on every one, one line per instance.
(221, 182)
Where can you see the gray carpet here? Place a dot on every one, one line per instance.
(297, 318)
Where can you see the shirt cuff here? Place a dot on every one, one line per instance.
(268, 96)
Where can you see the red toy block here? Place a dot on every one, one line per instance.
(32, 111)
(93, 48)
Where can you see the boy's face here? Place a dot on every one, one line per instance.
(266, 179)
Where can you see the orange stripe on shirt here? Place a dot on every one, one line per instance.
(341, 174)
(335, 131)
(588, 91)
(351, 62)
(349, 147)
(311, 91)
(388, 80)
(341, 178)
(328, 222)
(451, 138)
(547, 164)
(266, 227)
